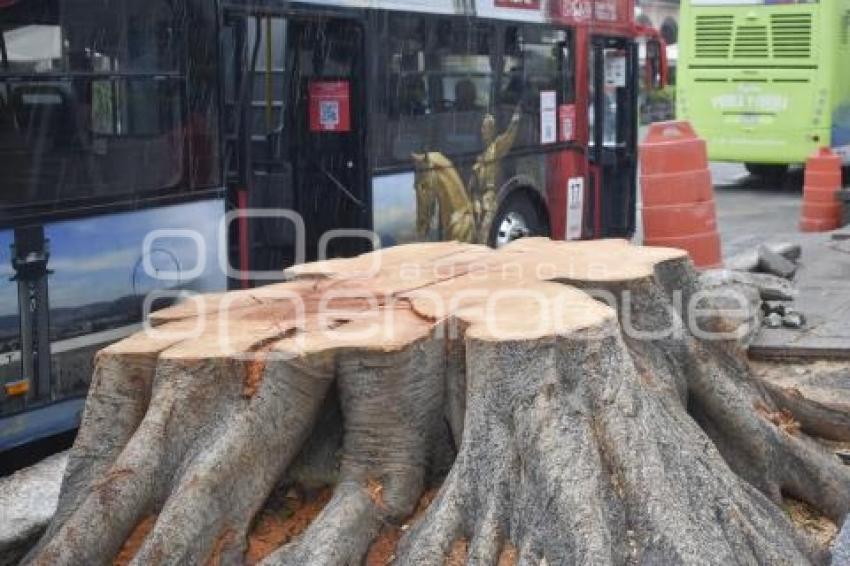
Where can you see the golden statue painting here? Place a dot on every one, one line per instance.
(437, 182)
(466, 212)
(488, 170)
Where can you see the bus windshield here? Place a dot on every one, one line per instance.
(90, 100)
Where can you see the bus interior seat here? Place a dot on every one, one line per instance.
(459, 127)
(409, 127)
(466, 96)
(43, 112)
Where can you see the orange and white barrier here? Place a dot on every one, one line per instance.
(822, 210)
(678, 195)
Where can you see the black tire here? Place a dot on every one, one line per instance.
(767, 171)
(517, 206)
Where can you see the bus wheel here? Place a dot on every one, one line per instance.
(767, 171)
(517, 218)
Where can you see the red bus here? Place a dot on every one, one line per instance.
(436, 120)
(189, 145)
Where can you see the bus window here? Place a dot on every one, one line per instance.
(615, 87)
(462, 77)
(613, 100)
(437, 87)
(134, 108)
(92, 101)
(405, 101)
(48, 36)
(536, 60)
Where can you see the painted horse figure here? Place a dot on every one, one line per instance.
(437, 181)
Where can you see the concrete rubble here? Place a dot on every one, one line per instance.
(773, 320)
(794, 320)
(771, 287)
(770, 268)
(749, 261)
(28, 501)
(775, 264)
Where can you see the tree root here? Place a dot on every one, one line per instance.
(815, 419)
(595, 421)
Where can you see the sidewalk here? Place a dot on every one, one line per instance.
(824, 284)
(750, 215)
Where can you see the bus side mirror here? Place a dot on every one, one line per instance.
(656, 64)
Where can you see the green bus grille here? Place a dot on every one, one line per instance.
(751, 42)
(713, 37)
(791, 35)
(782, 36)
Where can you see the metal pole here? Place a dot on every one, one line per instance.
(30, 254)
(26, 326)
(269, 77)
(42, 322)
(4, 55)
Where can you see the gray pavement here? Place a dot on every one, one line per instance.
(751, 213)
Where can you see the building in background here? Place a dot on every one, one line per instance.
(662, 15)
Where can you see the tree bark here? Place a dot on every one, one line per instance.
(593, 396)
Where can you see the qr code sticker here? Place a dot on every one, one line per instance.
(329, 114)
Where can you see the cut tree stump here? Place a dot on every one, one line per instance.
(588, 409)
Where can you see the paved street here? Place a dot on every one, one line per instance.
(751, 212)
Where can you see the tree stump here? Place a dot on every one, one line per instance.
(591, 399)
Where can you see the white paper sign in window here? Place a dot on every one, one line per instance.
(548, 116)
(615, 70)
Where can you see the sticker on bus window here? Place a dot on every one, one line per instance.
(548, 116)
(567, 120)
(615, 70)
(330, 106)
(575, 208)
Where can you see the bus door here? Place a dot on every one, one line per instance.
(295, 139)
(613, 134)
(327, 65)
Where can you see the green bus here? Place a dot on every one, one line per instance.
(766, 82)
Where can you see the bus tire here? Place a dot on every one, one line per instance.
(518, 217)
(767, 171)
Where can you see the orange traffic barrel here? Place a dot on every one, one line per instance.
(677, 193)
(821, 206)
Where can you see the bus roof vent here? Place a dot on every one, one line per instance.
(751, 42)
(713, 37)
(791, 35)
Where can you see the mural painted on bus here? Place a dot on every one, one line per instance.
(461, 123)
(466, 211)
(98, 279)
